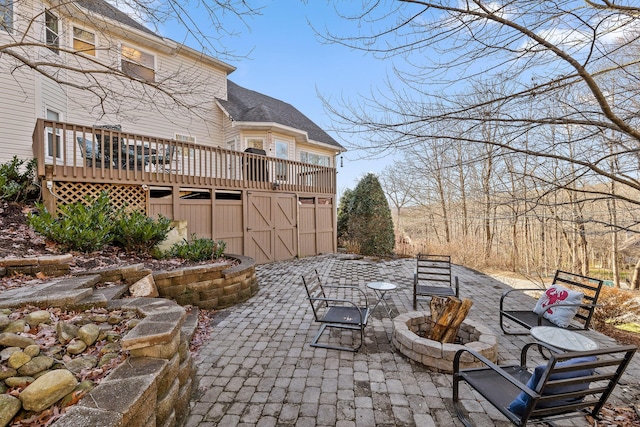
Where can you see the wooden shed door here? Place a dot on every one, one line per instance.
(271, 227)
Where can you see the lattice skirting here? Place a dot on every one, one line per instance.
(134, 197)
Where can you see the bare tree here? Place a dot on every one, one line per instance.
(533, 50)
(396, 184)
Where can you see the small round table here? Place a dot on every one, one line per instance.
(562, 339)
(380, 289)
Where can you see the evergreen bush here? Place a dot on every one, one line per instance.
(197, 250)
(17, 180)
(79, 226)
(369, 223)
(136, 232)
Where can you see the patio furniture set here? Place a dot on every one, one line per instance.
(108, 150)
(577, 379)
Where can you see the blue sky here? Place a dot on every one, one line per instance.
(287, 61)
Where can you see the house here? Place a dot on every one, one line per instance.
(104, 103)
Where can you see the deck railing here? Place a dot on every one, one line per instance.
(77, 153)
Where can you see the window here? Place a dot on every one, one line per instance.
(282, 152)
(84, 41)
(52, 37)
(51, 139)
(137, 64)
(231, 145)
(185, 138)
(255, 143)
(314, 159)
(6, 15)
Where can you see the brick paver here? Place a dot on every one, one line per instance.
(258, 368)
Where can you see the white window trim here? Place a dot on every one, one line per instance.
(261, 138)
(9, 5)
(95, 39)
(54, 48)
(49, 131)
(124, 58)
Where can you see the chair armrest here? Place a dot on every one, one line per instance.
(505, 294)
(355, 288)
(493, 367)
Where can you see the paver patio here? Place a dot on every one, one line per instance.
(259, 370)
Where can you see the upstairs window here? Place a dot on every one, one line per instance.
(314, 159)
(51, 32)
(84, 41)
(6, 15)
(255, 143)
(138, 64)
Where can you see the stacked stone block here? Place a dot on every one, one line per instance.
(410, 329)
(152, 388)
(212, 286)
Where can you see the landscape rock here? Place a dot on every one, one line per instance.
(83, 362)
(4, 321)
(7, 372)
(145, 287)
(17, 359)
(9, 407)
(32, 350)
(37, 317)
(76, 346)
(19, 381)
(36, 365)
(47, 390)
(89, 333)
(9, 339)
(15, 326)
(66, 332)
(6, 352)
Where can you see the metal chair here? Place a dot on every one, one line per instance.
(433, 278)
(342, 312)
(567, 386)
(528, 319)
(162, 161)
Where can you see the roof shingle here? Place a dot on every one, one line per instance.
(244, 105)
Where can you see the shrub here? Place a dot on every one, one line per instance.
(17, 185)
(90, 226)
(197, 250)
(81, 227)
(136, 232)
(369, 222)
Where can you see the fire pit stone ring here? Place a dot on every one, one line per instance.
(410, 329)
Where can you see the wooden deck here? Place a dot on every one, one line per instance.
(139, 159)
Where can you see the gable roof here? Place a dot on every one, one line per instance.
(244, 105)
(107, 10)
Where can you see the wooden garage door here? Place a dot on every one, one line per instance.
(271, 227)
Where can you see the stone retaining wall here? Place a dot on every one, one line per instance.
(211, 286)
(154, 385)
(51, 265)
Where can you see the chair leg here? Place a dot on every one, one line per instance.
(314, 342)
(457, 405)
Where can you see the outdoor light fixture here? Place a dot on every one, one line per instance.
(341, 161)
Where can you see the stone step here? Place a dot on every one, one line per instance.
(113, 292)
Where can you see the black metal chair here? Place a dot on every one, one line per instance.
(433, 278)
(527, 318)
(569, 385)
(342, 311)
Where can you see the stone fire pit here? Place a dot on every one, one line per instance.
(408, 332)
